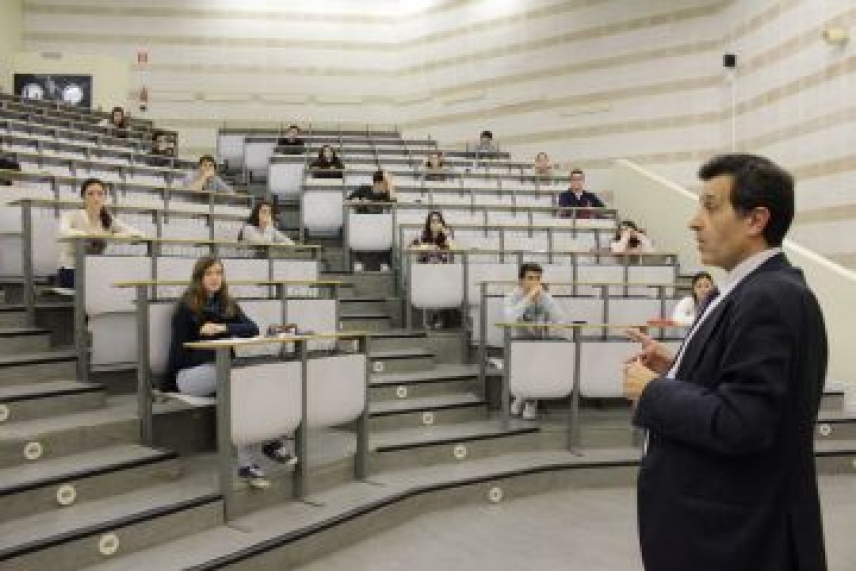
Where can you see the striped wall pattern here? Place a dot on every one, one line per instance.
(585, 80)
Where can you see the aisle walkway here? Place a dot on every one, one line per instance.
(585, 530)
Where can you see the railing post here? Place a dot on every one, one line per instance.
(81, 333)
(27, 261)
(144, 380)
(225, 460)
(506, 379)
(483, 336)
(346, 238)
(361, 465)
(301, 439)
(574, 417)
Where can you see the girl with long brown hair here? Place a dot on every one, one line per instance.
(207, 312)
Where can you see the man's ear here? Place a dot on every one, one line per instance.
(758, 220)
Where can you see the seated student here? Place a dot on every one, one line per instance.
(7, 163)
(207, 312)
(530, 303)
(382, 190)
(686, 309)
(437, 241)
(486, 146)
(435, 167)
(260, 228)
(118, 121)
(291, 143)
(92, 220)
(577, 197)
(162, 152)
(542, 166)
(327, 164)
(205, 177)
(629, 239)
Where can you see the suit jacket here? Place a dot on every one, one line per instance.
(567, 199)
(729, 481)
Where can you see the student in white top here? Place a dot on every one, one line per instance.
(260, 228)
(631, 240)
(685, 311)
(92, 220)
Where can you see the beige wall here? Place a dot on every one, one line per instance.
(11, 39)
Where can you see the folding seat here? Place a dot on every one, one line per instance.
(321, 211)
(285, 179)
(257, 153)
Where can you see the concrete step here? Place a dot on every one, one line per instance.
(365, 283)
(22, 339)
(443, 379)
(12, 315)
(58, 436)
(443, 444)
(426, 411)
(447, 346)
(75, 537)
(37, 367)
(835, 456)
(50, 398)
(365, 321)
(397, 339)
(832, 400)
(401, 360)
(363, 303)
(835, 425)
(35, 488)
(289, 535)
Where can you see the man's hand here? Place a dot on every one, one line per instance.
(653, 355)
(636, 378)
(534, 292)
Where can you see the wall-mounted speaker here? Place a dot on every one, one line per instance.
(729, 61)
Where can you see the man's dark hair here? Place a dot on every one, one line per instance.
(757, 182)
(577, 171)
(527, 267)
(378, 176)
(487, 134)
(207, 159)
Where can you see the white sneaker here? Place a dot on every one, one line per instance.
(384, 267)
(517, 406)
(358, 266)
(67, 291)
(530, 410)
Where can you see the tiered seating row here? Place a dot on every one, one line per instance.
(48, 142)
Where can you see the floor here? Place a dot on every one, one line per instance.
(569, 530)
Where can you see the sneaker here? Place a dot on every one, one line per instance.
(279, 452)
(254, 476)
(384, 267)
(530, 410)
(66, 291)
(517, 406)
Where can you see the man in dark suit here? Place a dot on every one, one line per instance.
(728, 480)
(576, 196)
